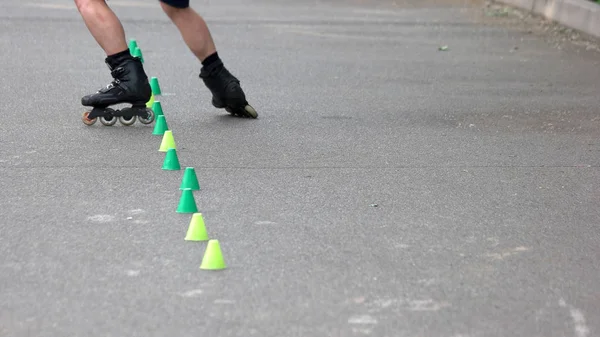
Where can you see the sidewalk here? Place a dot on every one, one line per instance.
(583, 15)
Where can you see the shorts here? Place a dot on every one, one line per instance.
(177, 3)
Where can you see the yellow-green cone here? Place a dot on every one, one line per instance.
(150, 102)
(197, 230)
(213, 258)
(167, 142)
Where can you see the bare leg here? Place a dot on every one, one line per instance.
(193, 29)
(226, 89)
(130, 84)
(103, 24)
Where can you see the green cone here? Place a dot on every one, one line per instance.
(171, 162)
(187, 203)
(160, 126)
(155, 86)
(137, 52)
(190, 180)
(157, 108)
(132, 45)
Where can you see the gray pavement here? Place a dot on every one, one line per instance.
(482, 160)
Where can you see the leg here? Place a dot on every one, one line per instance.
(192, 27)
(103, 24)
(130, 84)
(226, 89)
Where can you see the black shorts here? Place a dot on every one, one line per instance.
(177, 3)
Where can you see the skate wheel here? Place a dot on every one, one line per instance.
(250, 112)
(88, 121)
(149, 119)
(127, 122)
(247, 111)
(110, 121)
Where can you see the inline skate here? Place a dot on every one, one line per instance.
(226, 90)
(129, 85)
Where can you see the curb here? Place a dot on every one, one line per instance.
(582, 15)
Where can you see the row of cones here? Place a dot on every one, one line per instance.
(213, 257)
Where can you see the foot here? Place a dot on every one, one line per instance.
(130, 84)
(226, 90)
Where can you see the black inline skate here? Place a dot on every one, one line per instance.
(130, 85)
(226, 90)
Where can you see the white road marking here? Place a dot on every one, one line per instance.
(134, 4)
(364, 319)
(364, 331)
(110, 3)
(495, 241)
(507, 253)
(133, 273)
(52, 6)
(102, 218)
(224, 302)
(581, 329)
(426, 305)
(427, 282)
(192, 293)
(265, 223)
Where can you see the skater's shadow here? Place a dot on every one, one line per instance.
(232, 120)
(222, 122)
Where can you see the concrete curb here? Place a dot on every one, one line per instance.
(582, 15)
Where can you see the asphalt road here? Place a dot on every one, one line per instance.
(483, 161)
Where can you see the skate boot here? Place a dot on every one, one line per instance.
(226, 90)
(130, 85)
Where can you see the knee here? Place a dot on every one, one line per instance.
(169, 10)
(83, 5)
(172, 8)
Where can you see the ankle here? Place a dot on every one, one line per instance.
(114, 59)
(211, 64)
(211, 60)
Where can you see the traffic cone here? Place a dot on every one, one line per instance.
(187, 203)
(157, 108)
(171, 162)
(197, 230)
(190, 180)
(155, 86)
(161, 126)
(213, 258)
(137, 52)
(167, 141)
(132, 45)
(150, 102)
